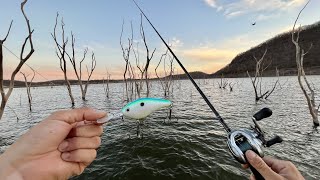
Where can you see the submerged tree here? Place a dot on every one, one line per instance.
(106, 83)
(5, 95)
(28, 86)
(138, 82)
(61, 53)
(302, 79)
(73, 60)
(148, 57)
(257, 80)
(223, 83)
(126, 56)
(168, 70)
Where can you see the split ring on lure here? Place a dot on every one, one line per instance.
(138, 109)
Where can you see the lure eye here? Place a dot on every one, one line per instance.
(142, 104)
(128, 110)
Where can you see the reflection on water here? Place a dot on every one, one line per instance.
(191, 146)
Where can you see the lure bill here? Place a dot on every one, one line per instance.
(138, 109)
(110, 117)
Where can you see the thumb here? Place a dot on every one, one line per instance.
(258, 163)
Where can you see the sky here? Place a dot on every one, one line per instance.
(205, 34)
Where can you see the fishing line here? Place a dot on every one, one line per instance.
(28, 65)
(187, 73)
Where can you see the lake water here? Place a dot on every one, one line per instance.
(193, 145)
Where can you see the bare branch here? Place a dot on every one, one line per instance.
(61, 53)
(29, 37)
(2, 41)
(295, 22)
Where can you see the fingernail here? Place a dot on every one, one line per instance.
(63, 146)
(65, 156)
(251, 155)
(88, 122)
(103, 120)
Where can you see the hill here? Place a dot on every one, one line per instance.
(194, 75)
(280, 53)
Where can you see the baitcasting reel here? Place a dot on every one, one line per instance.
(241, 140)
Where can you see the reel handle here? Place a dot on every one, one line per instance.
(274, 140)
(263, 113)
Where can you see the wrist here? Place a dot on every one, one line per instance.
(7, 171)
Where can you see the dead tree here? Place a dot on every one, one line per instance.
(148, 57)
(139, 82)
(28, 86)
(132, 82)
(92, 68)
(167, 79)
(73, 60)
(223, 83)
(231, 86)
(302, 79)
(106, 87)
(126, 56)
(61, 53)
(257, 80)
(5, 95)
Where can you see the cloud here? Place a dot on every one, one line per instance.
(265, 9)
(213, 3)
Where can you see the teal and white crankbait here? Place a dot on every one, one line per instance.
(138, 109)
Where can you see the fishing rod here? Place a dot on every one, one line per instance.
(240, 140)
(226, 127)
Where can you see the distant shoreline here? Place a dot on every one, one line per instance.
(21, 84)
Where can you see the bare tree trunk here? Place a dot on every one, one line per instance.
(28, 87)
(106, 88)
(93, 67)
(61, 54)
(167, 79)
(300, 53)
(73, 61)
(5, 96)
(126, 56)
(149, 57)
(139, 83)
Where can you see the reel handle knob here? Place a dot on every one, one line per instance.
(263, 113)
(275, 140)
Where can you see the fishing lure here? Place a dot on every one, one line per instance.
(138, 109)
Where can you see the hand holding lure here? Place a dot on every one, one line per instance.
(239, 140)
(138, 109)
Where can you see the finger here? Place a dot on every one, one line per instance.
(90, 130)
(261, 166)
(85, 156)
(275, 164)
(79, 143)
(77, 115)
